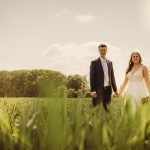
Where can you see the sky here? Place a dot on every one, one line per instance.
(64, 35)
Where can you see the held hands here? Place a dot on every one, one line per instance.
(117, 94)
(94, 94)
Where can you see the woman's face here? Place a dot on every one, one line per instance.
(135, 58)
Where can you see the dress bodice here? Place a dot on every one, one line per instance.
(136, 76)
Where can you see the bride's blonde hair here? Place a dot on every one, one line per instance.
(131, 62)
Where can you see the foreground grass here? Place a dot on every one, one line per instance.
(72, 124)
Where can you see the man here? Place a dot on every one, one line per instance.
(102, 79)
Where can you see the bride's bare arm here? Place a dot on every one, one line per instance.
(123, 85)
(146, 77)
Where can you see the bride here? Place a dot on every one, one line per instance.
(136, 83)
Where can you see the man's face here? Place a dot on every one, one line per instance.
(103, 52)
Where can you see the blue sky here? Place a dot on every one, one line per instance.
(64, 35)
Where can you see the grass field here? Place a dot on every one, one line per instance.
(72, 124)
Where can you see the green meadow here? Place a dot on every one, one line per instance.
(72, 124)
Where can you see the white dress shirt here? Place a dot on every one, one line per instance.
(105, 69)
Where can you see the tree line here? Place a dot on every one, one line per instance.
(42, 83)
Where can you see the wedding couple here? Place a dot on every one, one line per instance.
(136, 84)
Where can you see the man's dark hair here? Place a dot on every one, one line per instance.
(102, 45)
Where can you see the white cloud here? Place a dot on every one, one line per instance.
(53, 49)
(85, 18)
(72, 58)
(66, 14)
(63, 14)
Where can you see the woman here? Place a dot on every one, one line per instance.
(137, 79)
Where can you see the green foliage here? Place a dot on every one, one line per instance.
(41, 83)
(59, 123)
(30, 83)
(77, 86)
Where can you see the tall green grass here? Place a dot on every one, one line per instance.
(72, 124)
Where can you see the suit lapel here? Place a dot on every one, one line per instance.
(109, 67)
(100, 65)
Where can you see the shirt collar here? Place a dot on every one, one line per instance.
(102, 59)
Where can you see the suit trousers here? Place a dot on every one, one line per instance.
(103, 96)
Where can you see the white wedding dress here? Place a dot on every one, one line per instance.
(137, 88)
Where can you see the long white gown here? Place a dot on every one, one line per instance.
(137, 88)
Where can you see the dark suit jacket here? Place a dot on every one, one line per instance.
(97, 75)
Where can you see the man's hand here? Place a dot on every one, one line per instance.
(93, 94)
(117, 94)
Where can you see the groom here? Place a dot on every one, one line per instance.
(102, 79)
